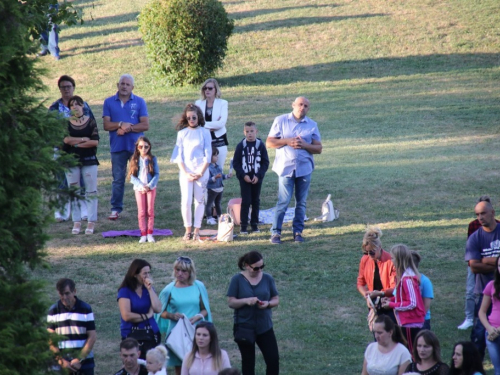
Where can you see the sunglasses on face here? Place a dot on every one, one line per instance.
(257, 268)
(192, 118)
(208, 88)
(140, 147)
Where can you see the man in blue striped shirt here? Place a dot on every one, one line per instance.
(73, 319)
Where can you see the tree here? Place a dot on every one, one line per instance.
(27, 185)
(186, 40)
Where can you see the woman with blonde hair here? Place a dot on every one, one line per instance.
(214, 110)
(183, 296)
(407, 303)
(206, 357)
(377, 275)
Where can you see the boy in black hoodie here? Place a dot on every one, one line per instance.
(250, 162)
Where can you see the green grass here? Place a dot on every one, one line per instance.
(406, 96)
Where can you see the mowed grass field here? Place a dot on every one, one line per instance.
(406, 95)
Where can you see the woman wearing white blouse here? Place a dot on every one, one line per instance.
(192, 153)
(215, 114)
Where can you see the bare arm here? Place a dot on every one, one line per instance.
(129, 316)
(427, 304)
(483, 310)
(402, 367)
(273, 302)
(236, 303)
(142, 126)
(313, 148)
(486, 265)
(365, 371)
(277, 142)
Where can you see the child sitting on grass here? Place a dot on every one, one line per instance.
(250, 163)
(215, 187)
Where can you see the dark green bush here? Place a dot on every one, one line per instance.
(186, 40)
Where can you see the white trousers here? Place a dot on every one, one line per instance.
(198, 190)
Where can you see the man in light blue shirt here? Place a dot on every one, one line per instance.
(125, 116)
(296, 139)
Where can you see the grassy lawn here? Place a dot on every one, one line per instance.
(406, 94)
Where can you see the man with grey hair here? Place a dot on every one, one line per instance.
(296, 139)
(125, 117)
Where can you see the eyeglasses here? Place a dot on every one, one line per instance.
(192, 118)
(184, 260)
(208, 88)
(66, 87)
(140, 147)
(257, 268)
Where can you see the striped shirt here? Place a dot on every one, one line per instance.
(73, 324)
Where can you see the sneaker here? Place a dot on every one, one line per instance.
(298, 237)
(114, 215)
(276, 239)
(143, 239)
(243, 230)
(150, 238)
(211, 221)
(466, 324)
(43, 53)
(255, 229)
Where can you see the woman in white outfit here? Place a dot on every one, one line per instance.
(192, 153)
(214, 110)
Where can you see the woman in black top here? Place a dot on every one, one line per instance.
(82, 142)
(252, 294)
(427, 355)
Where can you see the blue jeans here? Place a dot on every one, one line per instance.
(285, 190)
(470, 301)
(477, 335)
(119, 162)
(494, 350)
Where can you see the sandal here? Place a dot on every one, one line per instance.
(196, 237)
(90, 228)
(187, 236)
(77, 225)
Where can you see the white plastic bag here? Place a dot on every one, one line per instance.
(226, 228)
(328, 212)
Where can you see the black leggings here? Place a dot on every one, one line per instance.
(269, 348)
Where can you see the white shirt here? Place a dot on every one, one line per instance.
(378, 363)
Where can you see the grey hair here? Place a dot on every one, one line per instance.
(127, 76)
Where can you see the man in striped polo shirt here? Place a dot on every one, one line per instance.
(73, 319)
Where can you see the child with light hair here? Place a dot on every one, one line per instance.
(156, 360)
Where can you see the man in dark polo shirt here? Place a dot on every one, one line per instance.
(72, 318)
(483, 247)
(129, 353)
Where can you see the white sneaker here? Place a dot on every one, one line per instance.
(143, 239)
(151, 238)
(211, 221)
(466, 324)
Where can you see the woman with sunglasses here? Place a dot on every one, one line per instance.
(144, 174)
(192, 153)
(377, 274)
(252, 294)
(183, 296)
(206, 357)
(215, 113)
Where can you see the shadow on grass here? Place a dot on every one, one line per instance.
(369, 68)
(298, 21)
(103, 47)
(259, 12)
(101, 21)
(91, 34)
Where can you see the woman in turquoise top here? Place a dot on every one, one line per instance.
(185, 295)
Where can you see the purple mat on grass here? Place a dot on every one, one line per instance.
(135, 233)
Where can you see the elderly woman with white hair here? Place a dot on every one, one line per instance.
(215, 112)
(183, 296)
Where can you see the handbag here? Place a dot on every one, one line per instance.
(328, 212)
(226, 227)
(372, 314)
(180, 338)
(244, 335)
(146, 337)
